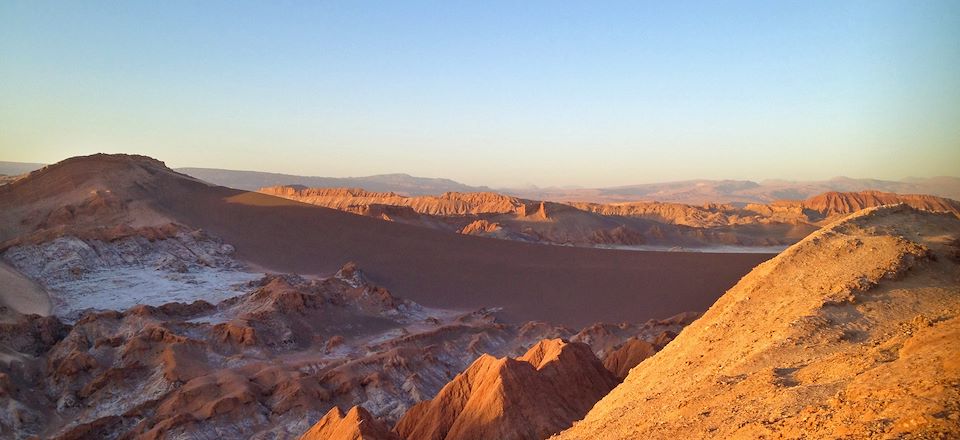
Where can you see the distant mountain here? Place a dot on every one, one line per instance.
(10, 171)
(398, 183)
(741, 191)
(688, 191)
(14, 168)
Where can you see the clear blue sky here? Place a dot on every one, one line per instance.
(497, 93)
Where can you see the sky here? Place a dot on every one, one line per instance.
(549, 93)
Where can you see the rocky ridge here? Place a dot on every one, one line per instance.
(851, 333)
(532, 396)
(357, 424)
(623, 224)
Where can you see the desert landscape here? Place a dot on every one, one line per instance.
(479, 220)
(145, 303)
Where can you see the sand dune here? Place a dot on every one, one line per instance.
(20, 295)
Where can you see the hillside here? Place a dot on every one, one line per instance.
(851, 333)
(530, 397)
(110, 197)
(356, 424)
(831, 205)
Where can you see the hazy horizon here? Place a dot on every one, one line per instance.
(495, 94)
(531, 184)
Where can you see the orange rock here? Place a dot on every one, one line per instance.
(357, 424)
(530, 397)
(629, 355)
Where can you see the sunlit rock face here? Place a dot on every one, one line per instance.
(854, 333)
(531, 396)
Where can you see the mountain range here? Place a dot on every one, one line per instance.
(689, 191)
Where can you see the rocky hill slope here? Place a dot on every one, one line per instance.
(446, 204)
(266, 364)
(830, 205)
(357, 424)
(530, 397)
(815, 211)
(852, 333)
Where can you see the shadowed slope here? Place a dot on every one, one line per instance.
(571, 285)
(574, 286)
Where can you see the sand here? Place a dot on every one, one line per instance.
(567, 285)
(20, 295)
(573, 286)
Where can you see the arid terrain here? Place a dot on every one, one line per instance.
(123, 318)
(337, 220)
(140, 302)
(852, 333)
(709, 227)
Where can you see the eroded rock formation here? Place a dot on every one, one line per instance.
(529, 397)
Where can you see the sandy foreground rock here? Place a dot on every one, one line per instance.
(852, 333)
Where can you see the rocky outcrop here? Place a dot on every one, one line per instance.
(818, 209)
(268, 362)
(851, 333)
(152, 266)
(830, 205)
(481, 227)
(703, 216)
(357, 424)
(627, 356)
(530, 397)
(446, 204)
(32, 334)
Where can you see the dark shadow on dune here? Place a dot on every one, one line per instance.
(573, 286)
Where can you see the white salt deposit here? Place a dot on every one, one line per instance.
(116, 275)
